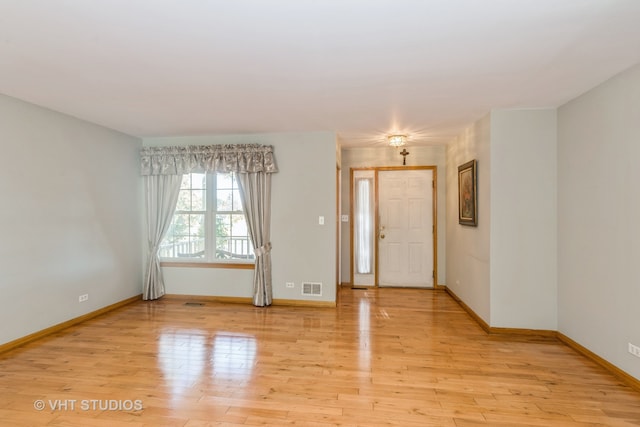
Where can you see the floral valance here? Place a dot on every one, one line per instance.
(208, 158)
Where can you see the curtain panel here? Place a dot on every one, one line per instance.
(253, 164)
(239, 158)
(161, 193)
(255, 192)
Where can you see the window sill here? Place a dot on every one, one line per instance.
(191, 264)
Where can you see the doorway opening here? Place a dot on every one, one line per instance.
(393, 231)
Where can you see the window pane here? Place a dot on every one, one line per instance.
(191, 248)
(184, 201)
(241, 248)
(167, 248)
(224, 200)
(182, 242)
(232, 240)
(240, 243)
(187, 235)
(181, 246)
(198, 199)
(222, 248)
(181, 224)
(186, 181)
(195, 249)
(198, 181)
(363, 225)
(224, 181)
(196, 225)
(238, 225)
(192, 196)
(223, 225)
(237, 202)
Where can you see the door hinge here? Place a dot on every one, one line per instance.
(433, 184)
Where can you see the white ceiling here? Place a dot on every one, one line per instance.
(361, 68)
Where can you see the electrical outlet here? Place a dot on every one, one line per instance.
(83, 298)
(290, 284)
(634, 349)
(345, 218)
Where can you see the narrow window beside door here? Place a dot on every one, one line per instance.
(364, 225)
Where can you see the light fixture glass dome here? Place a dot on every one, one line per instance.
(397, 140)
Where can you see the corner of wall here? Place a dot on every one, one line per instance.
(467, 250)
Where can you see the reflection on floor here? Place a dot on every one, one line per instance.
(383, 357)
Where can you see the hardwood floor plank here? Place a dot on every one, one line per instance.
(382, 357)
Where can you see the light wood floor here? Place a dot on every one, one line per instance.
(382, 358)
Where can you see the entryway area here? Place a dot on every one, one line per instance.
(393, 231)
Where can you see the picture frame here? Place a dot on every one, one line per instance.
(468, 194)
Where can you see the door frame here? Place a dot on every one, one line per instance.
(434, 204)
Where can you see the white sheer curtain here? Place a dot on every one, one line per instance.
(255, 191)
(252, 164)
(161, 197)
(364, 225)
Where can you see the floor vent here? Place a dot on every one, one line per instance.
(312, 288)
(194, 304)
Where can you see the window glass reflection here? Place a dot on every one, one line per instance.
(233, 356)
(182, 356)
(364, 337)
(185, 356)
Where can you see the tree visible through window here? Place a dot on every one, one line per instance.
(232, 235)
(209, 222)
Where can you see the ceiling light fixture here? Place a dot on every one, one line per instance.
(397, 140)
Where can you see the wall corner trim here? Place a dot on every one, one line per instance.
(631, 381)
(304, 303)
(64, 325)
(484, 325)
(208, 298)
(608, 366)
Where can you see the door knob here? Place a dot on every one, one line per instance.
(382, 236)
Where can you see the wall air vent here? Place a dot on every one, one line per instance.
(312, 288)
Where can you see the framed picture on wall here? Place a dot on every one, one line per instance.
(467, 194)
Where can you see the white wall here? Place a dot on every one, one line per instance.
(505, 269)
(69, 222)
(386, 156)
(302, 190)
(468, 248)
(524, 219)
(598, 227)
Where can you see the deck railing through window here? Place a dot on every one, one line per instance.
(236, 248)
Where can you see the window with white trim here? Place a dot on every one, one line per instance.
(208, 224)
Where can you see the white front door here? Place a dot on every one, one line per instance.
(405, 228)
